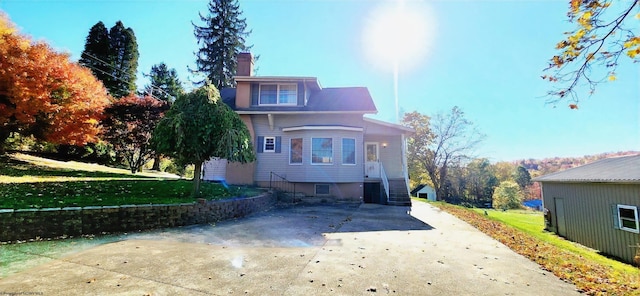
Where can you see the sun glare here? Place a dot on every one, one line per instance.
(399, 34)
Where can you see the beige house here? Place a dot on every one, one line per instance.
(317, 138)
(596, 205)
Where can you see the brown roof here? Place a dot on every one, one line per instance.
(624, 169)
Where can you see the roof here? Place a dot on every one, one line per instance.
(311, 82)
(418, 188)
(342, 99)
(333, 100)
(610, 170)
(389, 124)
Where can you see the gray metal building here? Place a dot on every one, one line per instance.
(596, 205)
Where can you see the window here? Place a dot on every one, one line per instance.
(348, 151)
(321, 150)
(295, 151)
(278, 94)
(628, 218)
(269, 144)
(322, 189)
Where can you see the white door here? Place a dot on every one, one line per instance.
(372, 160)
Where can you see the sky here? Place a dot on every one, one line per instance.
(485, 57)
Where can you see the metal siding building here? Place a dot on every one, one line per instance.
(583, 204)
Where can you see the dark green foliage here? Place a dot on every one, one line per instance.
(221, 39)
(200, 126)
(96, 54)
(522, 177)
(482, 180)
(124, 59)
(164, 83)
(112, 57)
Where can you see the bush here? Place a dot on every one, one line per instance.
(507, 196)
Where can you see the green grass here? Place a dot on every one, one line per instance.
(32, 182)
(523, 232)
(532, 223)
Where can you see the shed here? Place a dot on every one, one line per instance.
(596, 205)
(424, 191)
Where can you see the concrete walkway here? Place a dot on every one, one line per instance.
(312, 250)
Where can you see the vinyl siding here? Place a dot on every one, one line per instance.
(307, 172)
(391, 157)
(589, 216)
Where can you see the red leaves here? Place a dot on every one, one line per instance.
(573, 106)
(42, 92)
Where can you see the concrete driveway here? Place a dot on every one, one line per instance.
(311, 250)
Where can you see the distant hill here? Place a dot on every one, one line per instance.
(538, 167)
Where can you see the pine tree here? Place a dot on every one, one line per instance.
(112, 56)
(164, 83)
(96, 53)
(222, 38)
(124, 59)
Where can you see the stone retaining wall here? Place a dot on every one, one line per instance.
(28, 224)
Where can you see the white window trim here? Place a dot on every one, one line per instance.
(635, 212)
(277, 94)
(315, 189)
(264, 145)
(301, 152)
(355, 152)
(321, 163)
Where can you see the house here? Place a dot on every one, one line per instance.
(596, 205)
(318, 139)
(424, 191)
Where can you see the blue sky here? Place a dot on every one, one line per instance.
(484, 56)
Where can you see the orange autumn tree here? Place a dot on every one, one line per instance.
(605, 30)
(43, 94)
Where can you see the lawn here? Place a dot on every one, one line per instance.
(32, 182)
(523, 232)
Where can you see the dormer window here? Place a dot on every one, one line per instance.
(278, 94)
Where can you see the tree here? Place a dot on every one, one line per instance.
(482, 180)
(600, 37)
(221, 39)
(113, 57)
(435, 145)
(128, 126)
(200, 126)
(43, 94)
(522, 177)
(507, 196)
(96, 52)
(504, 170)
(163, 83)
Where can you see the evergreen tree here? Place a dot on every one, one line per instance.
(522, 177)
(112, 56)
(96, 53)
(124, 59)
(164, 83)
(222, 38)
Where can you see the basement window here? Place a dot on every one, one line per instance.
(628, 218)
(322, 189)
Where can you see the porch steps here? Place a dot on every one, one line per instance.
(398, 194)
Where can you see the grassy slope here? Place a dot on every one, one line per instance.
(33, 182)
(523, 232)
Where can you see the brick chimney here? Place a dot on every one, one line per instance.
(245, 64)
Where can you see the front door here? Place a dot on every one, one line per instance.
(372, 160)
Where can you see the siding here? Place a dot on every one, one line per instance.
(390, 157)
(589, 216)
(306, 172)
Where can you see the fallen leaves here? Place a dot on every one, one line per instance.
(590, 278)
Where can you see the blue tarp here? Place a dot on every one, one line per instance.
(536, 203)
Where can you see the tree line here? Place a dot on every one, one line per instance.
(93, 107)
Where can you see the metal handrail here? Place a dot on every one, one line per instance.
(385, 181)
(281, 183)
